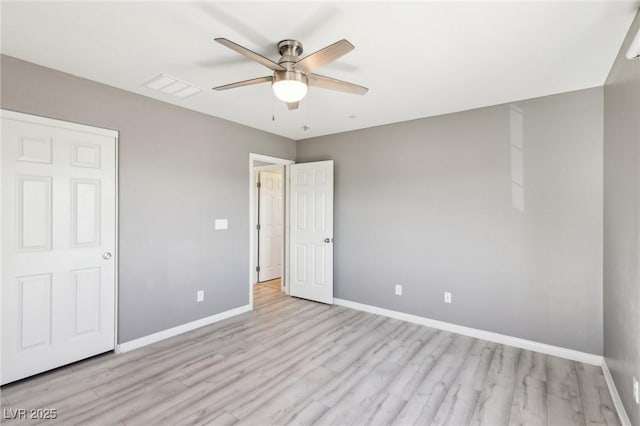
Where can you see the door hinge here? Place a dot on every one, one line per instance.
(257, 269)
(258, 227)
(258, 185)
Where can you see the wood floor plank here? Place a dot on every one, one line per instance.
(268, 353)
(287, 401)
(365, 342)
(596, 399)
(564, 404)
(264, 392)
(418, 367)
(117, 407)
(352, 376)
(291, 361)
(383, 411)
(363, 395)
(529, 406)
(496, 397)
(307, 415)
(198, 403)
(422, 407)
(408, 345)
(221, 418)
(460, 402)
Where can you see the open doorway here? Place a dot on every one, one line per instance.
(268, 218)
(307, 206)
(270, 226)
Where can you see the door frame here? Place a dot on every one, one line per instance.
(85, 128)
(256, 179)
(253, 216)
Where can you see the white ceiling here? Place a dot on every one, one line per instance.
(418, 59)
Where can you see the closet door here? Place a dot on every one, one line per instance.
(58, 243)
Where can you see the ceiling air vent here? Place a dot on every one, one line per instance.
(172, 86)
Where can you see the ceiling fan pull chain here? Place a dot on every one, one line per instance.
(273, 110)
(305, 125)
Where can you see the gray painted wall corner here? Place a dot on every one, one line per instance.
(622, 224)
(502, 206)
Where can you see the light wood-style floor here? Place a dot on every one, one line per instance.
(292, 361)
(274, 283)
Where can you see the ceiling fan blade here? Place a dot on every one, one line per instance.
(224, 18)
(293, 105)
(250, 54)
(335, 84)
(244, 83)
(324, 56)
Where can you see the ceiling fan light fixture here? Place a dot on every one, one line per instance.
(290, 86)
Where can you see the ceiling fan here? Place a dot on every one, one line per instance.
(292, 76)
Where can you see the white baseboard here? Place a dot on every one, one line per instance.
(165, 334)
(615, 396)
(544, 348)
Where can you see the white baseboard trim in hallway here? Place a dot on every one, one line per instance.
(174, 331)
(530, 345)
(615, 396)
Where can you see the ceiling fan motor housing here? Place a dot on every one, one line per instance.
(290, 50)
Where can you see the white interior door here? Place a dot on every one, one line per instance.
(58, 243)
(271, 232)
(311, 231)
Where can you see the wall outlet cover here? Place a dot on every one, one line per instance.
(222, 224)
(200, 296)
(447, 297)
(398, 290)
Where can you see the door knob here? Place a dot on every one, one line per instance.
(328, 240)
(106, 256)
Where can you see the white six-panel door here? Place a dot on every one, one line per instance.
(58, 243)
(311, 231)
(271, 226)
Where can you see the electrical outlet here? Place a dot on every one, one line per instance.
(200, 296)
(447, 297)
(398, 290)
(636, 391)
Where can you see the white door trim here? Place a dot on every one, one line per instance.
(52, 122)
(268, 167)
(253, 217)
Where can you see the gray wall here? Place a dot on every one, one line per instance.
(178, 171)
(622, 224)
(428, 204)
